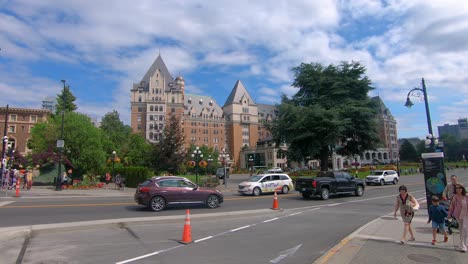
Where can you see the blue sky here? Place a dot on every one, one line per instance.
(101, 47)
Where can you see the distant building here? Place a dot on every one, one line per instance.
(20, 122)
(459, 131)
(413, 140)
(49, 103)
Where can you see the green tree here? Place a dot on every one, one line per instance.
(65, 101)
(168, 153)
(114, 131)
(452, 147)
(136, 151)
(331, 110)
(83, 141)
(408, 152)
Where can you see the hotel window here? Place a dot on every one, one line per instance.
(23, 129)
(33, 118)
(11, 129)
(139, 127)
(245, 109)
(13, 118)
(139, 118)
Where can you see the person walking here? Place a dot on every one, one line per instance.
(405, 202)
(108, 179)
(459, 210)
(65, 180)
(29, 176)
(437, 214)
(449, 190)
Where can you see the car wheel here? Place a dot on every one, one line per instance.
(285, 190)
(395, 181)
(382, 182)
(157, 203)
(212, 201)
(359, 190)
(324, 194)
(256, 191)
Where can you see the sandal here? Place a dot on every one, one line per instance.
(445, 239)
(402, 242)
(433, 242)
(412, 239)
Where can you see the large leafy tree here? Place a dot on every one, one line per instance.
(65, 101)
(168, 154)
(330, 111)
(408, 152)
(115, 132)
(83, 141)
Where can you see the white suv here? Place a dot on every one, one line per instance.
(266, 183)
(382, 177)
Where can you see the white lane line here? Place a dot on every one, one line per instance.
(240, 228)
(202, 239)
(269, 220)
(148, 255)
(294, 214)
(5, 203)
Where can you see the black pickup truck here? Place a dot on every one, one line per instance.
(329, 182)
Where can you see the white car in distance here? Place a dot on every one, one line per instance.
(266, 183)
(381, 177)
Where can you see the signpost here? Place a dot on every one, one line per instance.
(435, 179)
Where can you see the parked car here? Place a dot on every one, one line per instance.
(266, 183)
(328, 183)
(220, 173)
(382, 177)
(159, 192)
(275, 170)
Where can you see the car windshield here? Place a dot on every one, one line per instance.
(376, 172)
(255, 178)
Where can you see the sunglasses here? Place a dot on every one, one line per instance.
(458, 188)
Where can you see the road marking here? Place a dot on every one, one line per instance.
(5, 203)
(286, 253)
(270, 220)
(149, 255)
(202, 239)
(240, 228)
(294, 214)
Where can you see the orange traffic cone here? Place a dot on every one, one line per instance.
(275, 203)
(18, 188)
(187, 235)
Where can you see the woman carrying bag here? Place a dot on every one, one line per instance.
(407, 205)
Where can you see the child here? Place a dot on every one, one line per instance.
(437, 214)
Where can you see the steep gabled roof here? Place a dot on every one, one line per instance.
(157, 64)
(237, 93)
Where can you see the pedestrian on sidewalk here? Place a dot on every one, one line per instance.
(108, 179)
(449, 190)
(459, 210)
(437, 214)
(29, 177)
(405, 202)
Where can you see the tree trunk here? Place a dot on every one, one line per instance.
(324, 158)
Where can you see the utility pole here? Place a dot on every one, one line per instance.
(4, 143)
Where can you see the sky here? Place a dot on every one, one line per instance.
(102, 47)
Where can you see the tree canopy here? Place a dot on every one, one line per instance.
(330, 111)
(408, 152)
(65, 101)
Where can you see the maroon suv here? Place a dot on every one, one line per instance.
(159, 192)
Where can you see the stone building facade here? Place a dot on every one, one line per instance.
(19, 124)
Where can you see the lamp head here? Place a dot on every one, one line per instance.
(113, 152)
(408, 103)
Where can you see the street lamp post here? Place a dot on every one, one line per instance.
(197, 155)
(210, 159)
(251, 162)
(416, 92)
(11, 152)
(60, 145)
(224, 156)
(113, 162)
(4, 143)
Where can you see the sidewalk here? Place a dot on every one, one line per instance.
(378, 242)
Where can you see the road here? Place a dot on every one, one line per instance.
(300, 233)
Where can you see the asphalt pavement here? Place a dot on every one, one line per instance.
(375, 242)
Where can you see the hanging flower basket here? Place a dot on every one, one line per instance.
(191, 163)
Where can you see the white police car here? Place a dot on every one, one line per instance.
(266, 183)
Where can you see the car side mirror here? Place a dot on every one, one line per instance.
(195, 188)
